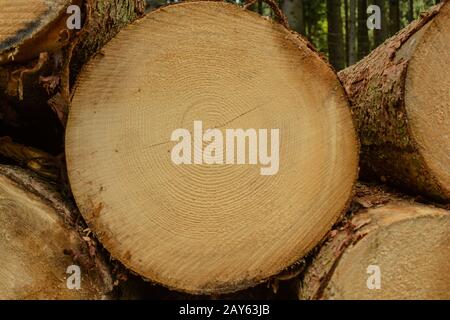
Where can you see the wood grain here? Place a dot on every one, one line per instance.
(208, 228)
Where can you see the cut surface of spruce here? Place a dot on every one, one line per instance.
(208, 228)
(400, 98)
(29, 27)
(395, 251)
(35, 233)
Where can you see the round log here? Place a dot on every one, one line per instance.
(39, 243)
(393, 249)
(209, 228)
(29, 27)
(400, 99)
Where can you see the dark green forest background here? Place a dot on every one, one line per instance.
(338, 28)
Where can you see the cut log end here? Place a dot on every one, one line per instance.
(208, 228)
(401, 102)
(30, 27)
(396, 251)
(38, 244)
(427, 97)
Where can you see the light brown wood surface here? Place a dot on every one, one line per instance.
(208, 228)
(409, 243)
(400, 98)
(28, 27)
(39, 241)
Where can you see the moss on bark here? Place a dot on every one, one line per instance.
(376, 89)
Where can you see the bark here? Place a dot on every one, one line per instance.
(107, 17)
(102, 20)
(382, 233)
(376, 89)
(30, 27)
(40, 238)
(38, 68)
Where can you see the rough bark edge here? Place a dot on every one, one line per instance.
(110, 17)
(324, 261)
(44, 190)
(376, 87)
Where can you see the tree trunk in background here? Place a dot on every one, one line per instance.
(363, 32)
(260, 7)
(336, 48)
(153, 4)
(40, 239)
(394, 17)
(403, 124)
(410, 10)
(378, 248)
(381, 34)
(352, 32)
(346, 23)
(294, 11)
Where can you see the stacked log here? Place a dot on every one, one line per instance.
(218, 219)
(42, 250)
(221, 226)
(392, 248)
(400, 99)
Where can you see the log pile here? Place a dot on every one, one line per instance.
(141, 128)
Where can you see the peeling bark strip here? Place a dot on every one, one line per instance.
(400, 99)
(39, 241)
(392, 248)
